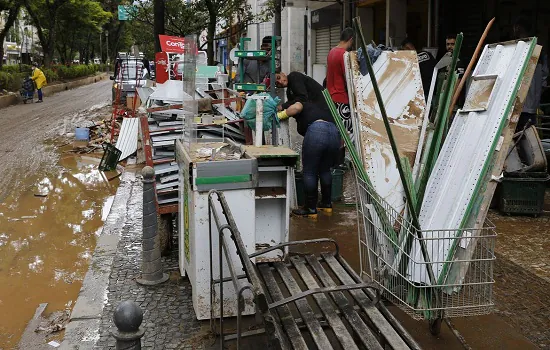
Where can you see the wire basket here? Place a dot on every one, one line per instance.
(391, 255)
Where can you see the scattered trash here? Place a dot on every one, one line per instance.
(54, 344)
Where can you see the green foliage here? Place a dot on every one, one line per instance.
(51, 75)
(16, 68)
(11, 81)
(78, 27)
(75, 71)
(11, 78)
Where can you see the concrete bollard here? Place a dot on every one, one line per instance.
(151, 265)
(127, 318)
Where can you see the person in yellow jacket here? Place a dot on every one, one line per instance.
(39, 79)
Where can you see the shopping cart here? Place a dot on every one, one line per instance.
(461, 260)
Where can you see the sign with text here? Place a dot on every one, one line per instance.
(161, 67)
(172, 44)
(126, 12)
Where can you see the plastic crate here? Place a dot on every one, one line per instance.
(110, 158)
(523, 195)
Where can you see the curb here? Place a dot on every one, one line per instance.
(82, 331)
(9, 100)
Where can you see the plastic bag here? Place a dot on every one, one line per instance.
(270, 111)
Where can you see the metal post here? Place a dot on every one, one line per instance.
(259, 118)
(151, 265)
(100, 46)
(107, 43)
(127, 318)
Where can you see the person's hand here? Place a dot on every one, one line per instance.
(279, 108)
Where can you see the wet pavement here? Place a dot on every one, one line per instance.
(482, 332)
(522, 286)
(48, 228)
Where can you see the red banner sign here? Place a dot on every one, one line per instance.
(161, 67)
(172, 44)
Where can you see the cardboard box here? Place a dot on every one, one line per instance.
(130, 102)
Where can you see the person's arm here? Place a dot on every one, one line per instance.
(297, 86)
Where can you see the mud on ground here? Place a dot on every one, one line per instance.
(23, 128)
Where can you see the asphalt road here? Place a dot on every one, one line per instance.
(25, 127)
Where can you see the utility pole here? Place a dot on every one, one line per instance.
(100, 45)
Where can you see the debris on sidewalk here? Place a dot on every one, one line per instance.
(427, 184)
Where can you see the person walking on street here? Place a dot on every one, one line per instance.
(39, 79)
(336, 78)
(321, 138)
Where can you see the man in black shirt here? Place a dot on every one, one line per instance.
(426, 62)
(321, 142)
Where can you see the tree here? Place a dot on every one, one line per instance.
(227, 10)
(158, 21)
(179, 20)
(12, 8)
(79, 23)
(44, 15)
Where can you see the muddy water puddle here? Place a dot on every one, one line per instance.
(48, 229)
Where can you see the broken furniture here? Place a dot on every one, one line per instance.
(333, 303)
(256, 180)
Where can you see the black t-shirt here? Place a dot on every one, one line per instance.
(427, 64)
(311, 113)
(302, 88)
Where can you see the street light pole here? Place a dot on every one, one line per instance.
(101, 46)
(107, 42)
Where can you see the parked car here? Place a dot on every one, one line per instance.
(126, 77)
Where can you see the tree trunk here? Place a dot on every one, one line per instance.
(87, 49)
(211, 31)
(158, 22)
(12, 16)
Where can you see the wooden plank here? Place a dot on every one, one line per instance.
(285, 315)
(361, 329)
(314, 327)
(387, 331)
(382, 308)
(168, 208)
(164, 108)
(269, 151)
(326, 307)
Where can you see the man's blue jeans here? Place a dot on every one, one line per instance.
(39, 94)
(319, 154)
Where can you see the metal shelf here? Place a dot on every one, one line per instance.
(250, 87)
(252, 55)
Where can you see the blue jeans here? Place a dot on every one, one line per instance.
(319, 153)
(39, 94)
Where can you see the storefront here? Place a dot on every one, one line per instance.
(325, 34)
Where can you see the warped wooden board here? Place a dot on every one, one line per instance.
(465, 158)
(400, 84)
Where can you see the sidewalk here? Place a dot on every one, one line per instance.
(169, 320)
